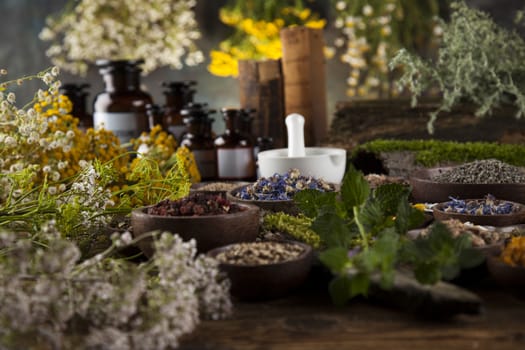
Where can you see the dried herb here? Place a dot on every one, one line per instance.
(478, 62)
(514, 252)
(296, 226)
(260, 253)
(486, 171)
(196, 204)
(282, 186)
(487, 206)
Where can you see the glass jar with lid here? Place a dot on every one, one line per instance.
(199, 138)
(121, 107)
(178, 94)
(246, 122)
(78, 96)
(235, 151)
(142, 98)
(154, 113)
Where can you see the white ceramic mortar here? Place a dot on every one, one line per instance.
(320, 162)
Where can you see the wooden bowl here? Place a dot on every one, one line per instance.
(514, 218)
(507, 276)
(210, 231)
(286, 206)
(267, 281)
(425, 190)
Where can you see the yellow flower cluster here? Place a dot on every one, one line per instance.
(104, 146)
(186, 158)
(101, 144)
(257, 36)
(163, 147)
(156, 144)
(514, 252)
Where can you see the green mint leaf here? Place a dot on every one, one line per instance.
(416, 218)
(372, 217)
(310, 201)
(340, 290)
(439, 241)
(427, 273)
(355, 189)
(359, 284)
(402, 216)
(381, 257)
(386, 248)
(390, 195)
(335, 259)
(450, 271)
(462, 242)
(333, 230)
(408, 217)
(439, 255)
(469, 258)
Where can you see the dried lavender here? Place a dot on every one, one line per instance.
(282, 186)
(487, 171)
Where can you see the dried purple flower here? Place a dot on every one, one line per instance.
(282, 186)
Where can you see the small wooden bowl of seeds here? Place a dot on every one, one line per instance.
(264, 270)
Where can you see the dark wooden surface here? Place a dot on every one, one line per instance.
(307, 320)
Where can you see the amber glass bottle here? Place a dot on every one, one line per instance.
(142, 98)
(120, 107)
(245, 123)
(77, 95)
(198, 138)
(154, 113)
(178, 94)
(235, 154)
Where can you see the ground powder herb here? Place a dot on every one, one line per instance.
(486, 171)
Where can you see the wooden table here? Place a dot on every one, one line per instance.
(307, 320)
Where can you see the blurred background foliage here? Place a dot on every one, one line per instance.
(343, 23)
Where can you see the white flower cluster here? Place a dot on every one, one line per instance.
(162, 32)
(104, 302)
(88, 196)
(363, 57)
(371, 32)
(24, 134)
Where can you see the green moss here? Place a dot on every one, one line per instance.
(434, 152)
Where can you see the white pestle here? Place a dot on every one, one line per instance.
(295, 127)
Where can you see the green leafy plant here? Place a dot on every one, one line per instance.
(478, 62)
(364, 231)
